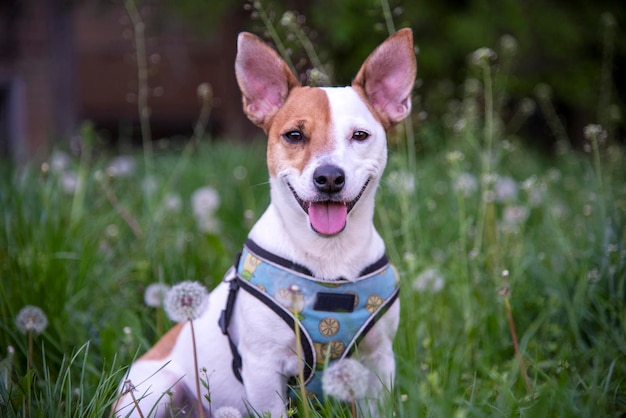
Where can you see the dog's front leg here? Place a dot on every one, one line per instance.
(266, 389)
(265, 343)
(376, 353)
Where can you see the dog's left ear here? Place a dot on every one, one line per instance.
(386, 77)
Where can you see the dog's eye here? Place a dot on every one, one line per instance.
(360, 135)
(293, 136)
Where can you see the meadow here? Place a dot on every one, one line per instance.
(512, 263)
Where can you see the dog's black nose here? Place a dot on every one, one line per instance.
(329, 178)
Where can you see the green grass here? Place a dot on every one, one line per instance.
(79, 260)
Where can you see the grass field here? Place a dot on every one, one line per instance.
(539, 238)
(512, 263)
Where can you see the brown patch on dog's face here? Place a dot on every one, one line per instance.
(306, 111)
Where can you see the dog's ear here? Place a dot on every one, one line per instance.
(386, 77)
(264, 79)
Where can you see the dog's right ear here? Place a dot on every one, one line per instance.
(264, 78)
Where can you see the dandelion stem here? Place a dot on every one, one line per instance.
(606, 81)
(123, 212)
(142, 82)
(391, 28)
(29, 359)
(196, 369)
(274, 35)
(130, 389)
(518, 355)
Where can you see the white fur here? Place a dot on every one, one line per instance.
(265, 342)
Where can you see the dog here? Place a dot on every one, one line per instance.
(313, 255)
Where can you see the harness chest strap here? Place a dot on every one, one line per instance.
(333, 317)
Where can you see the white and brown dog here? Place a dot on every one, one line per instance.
(313, 255)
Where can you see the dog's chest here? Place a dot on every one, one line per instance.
(332, 317)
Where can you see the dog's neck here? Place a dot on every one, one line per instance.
(342, 256)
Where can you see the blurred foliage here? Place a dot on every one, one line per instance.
(575, 47)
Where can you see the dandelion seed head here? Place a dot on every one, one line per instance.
(112, 231)
(288, 19)
(149, 185)
(240, 173)
(59, 161)
(186, 300)
(227, 412)
(466, 184)
(69, 182)
(505, 189)
(290, 298)
(205, 92)
(527, 106)
(455, 156)
(515, 215)
(508, 43)
(483, 56)
(155, 294)
(401, 181)
(346, 380)
(121, 166)
(205, 199)
(593, 132)
(172, 203)
(205, 202)
(317, 77)
(31, 319)
(429, 280)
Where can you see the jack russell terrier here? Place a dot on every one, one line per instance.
(313, 260)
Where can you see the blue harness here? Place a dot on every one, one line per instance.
(333, 317)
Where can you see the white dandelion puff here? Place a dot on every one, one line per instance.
(172, 203)
(483, 55)
(514, 216)
(429, 280)
(346, 380)
(186, 300)
(401, 181)
(59, 161)
(466, 184)
(69, 182)
(31, 319)
(291, 298)
(121, 166)
(227, 412)
(155, 294)
(205, 202)
(505, 189)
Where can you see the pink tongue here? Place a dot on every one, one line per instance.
(328, 218)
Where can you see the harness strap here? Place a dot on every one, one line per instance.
(305, 343)
(224, 322)
(370, 323)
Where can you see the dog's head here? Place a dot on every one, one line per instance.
(327, 147)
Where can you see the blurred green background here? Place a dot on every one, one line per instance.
(575, 48)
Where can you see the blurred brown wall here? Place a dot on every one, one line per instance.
(61, 65)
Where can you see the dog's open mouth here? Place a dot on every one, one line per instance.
(328, 217)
